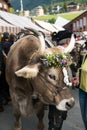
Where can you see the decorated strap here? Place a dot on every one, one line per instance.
(66, 78)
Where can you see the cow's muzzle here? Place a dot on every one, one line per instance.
(66, 104)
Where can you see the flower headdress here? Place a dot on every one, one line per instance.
(56, 60)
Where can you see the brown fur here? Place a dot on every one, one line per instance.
(29, 95)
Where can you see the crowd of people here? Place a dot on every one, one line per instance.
(56, 117)
(6, 41)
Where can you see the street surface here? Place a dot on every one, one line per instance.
(73, 121)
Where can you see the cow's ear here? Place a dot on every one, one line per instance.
(29, 71)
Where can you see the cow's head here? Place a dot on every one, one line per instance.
(47, 73)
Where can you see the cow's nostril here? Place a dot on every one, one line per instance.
(67, 104)
(70, 104)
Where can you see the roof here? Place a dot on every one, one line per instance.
(61, 21)
(75, 19)
(19, 21)
(59, 28)
(72, 3)
(16, 20)
(25, 23)
(10, 18)
(45, 25)
(6, 27)
(5, 24)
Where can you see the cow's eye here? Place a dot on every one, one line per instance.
(52, 77)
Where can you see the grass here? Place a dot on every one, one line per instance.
(68, 16)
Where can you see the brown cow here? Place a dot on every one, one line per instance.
(31, 83)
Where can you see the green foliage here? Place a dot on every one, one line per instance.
(52, 18)
(50, 9)
(45, 8)
(12, 10)
(46, 17)
(30, 4)
(65, 6)
(69, 16)
(56, 60)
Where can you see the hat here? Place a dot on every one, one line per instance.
(61, 35)
(5, 35)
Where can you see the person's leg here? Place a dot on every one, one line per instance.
(83, 106)
(5, 89)
(1, 96)
(56, 118)
(51, 117)
(86, 112)
(60, 116)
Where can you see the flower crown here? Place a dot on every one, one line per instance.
(56, 60)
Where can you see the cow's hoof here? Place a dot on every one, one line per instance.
(17, 128)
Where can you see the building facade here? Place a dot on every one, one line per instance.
(79, 24)
(5, 5)
(39, 11)
(72, 6)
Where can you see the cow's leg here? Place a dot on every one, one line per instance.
(17, 121)
(40, 115)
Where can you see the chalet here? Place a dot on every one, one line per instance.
(56, 9)
(72, 6)
(5, 5)
(79, 24)
(39, 11)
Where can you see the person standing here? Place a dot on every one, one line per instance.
(81, 82)
(5, 49)
(56, 117)
(1, 93)
(83, 90)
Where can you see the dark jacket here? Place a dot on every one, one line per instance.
(1, 57)
(6, 46)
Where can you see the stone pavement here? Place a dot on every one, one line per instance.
(73, 122)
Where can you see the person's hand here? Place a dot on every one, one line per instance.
(75, 81)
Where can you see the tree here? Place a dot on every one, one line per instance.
(45, 9)
(65, 6)
(52, 20)
(11, 10)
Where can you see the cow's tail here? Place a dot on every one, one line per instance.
(41, 38)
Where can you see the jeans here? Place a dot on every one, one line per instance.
(83, 106)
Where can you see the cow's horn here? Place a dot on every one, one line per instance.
(41, 38)
(71, 44)
(42, 43)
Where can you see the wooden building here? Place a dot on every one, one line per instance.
(72, 6)
(5, 5)
(79, 24)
